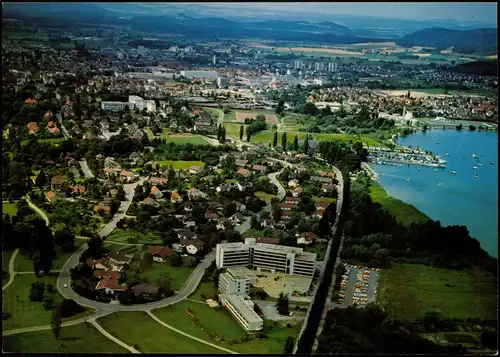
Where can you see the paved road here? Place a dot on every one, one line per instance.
(188, 335)
(86, 169)
(37, 210)
(63, 128)
(47, 327)
(281, 191)
(111, 337)
(12, 272)
(323, 266)
(129, 194)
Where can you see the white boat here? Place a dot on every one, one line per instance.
(473, 155)
(447, 154)
(408, 179)
(474, 167)
(476, 176)
(492, 163)
(453, 172)
(439, 183)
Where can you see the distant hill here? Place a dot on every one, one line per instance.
(482, 68)
(480, 41)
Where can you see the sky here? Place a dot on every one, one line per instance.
(460, 11)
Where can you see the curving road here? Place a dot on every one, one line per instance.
(12, 272)
(122, 211)
(37, 210)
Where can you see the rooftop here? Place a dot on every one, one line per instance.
(245, 310)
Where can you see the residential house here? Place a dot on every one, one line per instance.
(155, 191)
(175, 197)
(327, 174)
(110, 286)
(285, 215)
(160, 253)
(148, 201)
(78, 190)
(260, 168)
(241, 163)
(211, 216)
(243, 172)
(189, 222)
(268, 222)
(48, 115)
(188, 206)
(100, 264)
(293, 183)
(127, 176)
(33, 127)
(146, 290)
(55, 131)
(194, 169)
(118, 258)
(292, 200)
(306, 238)
(223, 224)
(191, 246)
(50, 196)
(284, 206)
(58, 182)
(318, 213)
(51, 124)
(240, 206)
(236, 218)
(194, 193)
(109, 171)
(101, 274)
(186, 234)
(297, 192)
(158, 181)
(102, 207)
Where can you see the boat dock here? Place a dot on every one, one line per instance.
(371, 172)
(384, 157)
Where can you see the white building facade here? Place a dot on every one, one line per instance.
(243, 311)
(265, 257)
(113, 106)
(232, 284)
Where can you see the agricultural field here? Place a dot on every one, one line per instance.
(148, 336)
(407, 290)
(403, 212)
(81, 338)
(180, 165)
(294, 123)
(240, 117)
(9, 208)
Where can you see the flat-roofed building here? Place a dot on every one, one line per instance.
(266, 257)
(200, 74)
(243, 311)
(231, 283)
(137, 101)
(113, 106)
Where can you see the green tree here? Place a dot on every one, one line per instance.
(295, 143)
(242, 131)
(425, 127)
(41, 179)
(65, 239)
(275, 139)
(223, 135)
(283, 304)
(289, 343)
(191, 261)
(37, 291)
(283, 141)
(459, 127)
(249, 134)
(219, 132)
(306, 145)
(56, 322)
(175, 260)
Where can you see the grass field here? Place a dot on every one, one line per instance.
(403, 212)
(55, 141)
(122, 236)
(264, 196)
(26, 313)
(207, 289)
(81, 338)
(148, 336)
(178, 275)
(254, 233)
(318, 248)
(293, 123)
(9, 208)
(266, 136)
(241, 116)
(180, 165)
(408, 289)
(185, 139)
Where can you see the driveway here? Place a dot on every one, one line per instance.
(129, 194)
(271, 312)
(86, 169)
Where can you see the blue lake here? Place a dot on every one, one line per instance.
(457, 199)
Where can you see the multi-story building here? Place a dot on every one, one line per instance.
(137, 101)
(151, 106)
(200, 74)
(332, 67)
(233, 284)
(266, 257)
(299, 64)
(243, 311)
(318, 66)
(222, 82)
(113, 106)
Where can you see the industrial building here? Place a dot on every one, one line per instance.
(243, 311)
(113, 106)
(266, 257)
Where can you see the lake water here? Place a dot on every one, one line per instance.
(457, 199)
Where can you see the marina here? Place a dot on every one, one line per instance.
(399, 158)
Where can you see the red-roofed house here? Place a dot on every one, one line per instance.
(109, 171)
(158, 181)
(260, 168)
(285, 215)
(286, 206)
(127, 176)
(292, 200)
(33, 127)
(194, 169)
(106, 274)
(50, 196)
(101, 264)
(55, 131)
(110, 286)
(297, 192)
(306, 238)
(318, 213)
(160, 253)
(175, 197)
(243, 172)
(155, 191)
(79, 190)
(211, 216)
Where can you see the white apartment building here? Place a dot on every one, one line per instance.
(242, 310)
(113, 106)
(332, 67)
(232, 284)
(151, 106)
(299, 64)
(137, 101)
(265, 257)
(222, 82)
(318, 66)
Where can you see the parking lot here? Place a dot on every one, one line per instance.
(358, 285)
